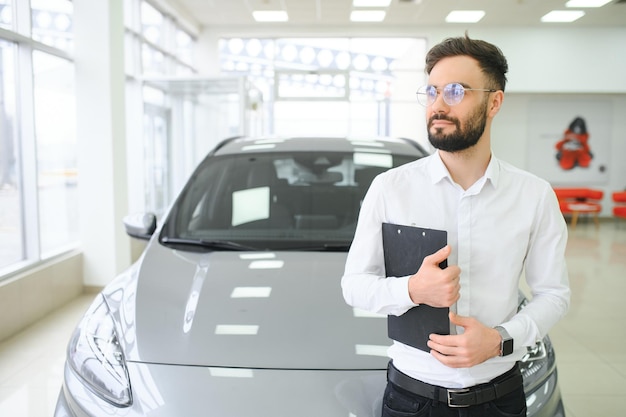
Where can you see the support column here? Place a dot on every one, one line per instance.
(100, 104)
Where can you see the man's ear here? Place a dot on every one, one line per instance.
(495, 103)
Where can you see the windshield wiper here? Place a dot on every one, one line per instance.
(326, 247)
(206, 244)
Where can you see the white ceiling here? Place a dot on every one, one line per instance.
(336, 13)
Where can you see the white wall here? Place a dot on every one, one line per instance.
(557, 60)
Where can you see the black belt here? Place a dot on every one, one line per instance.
(458, 397)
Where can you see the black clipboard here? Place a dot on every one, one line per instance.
(405, 247)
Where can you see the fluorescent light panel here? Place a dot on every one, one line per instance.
(586, 3)
(270, 16)
(371, 3)
(367, 15)
(465, 16)
(260, 255)
(371, 350)
(562, 16)
(357, 312)
(367, 143)
(257, 147)
(251, 292)
(266, 264)
(236, 329)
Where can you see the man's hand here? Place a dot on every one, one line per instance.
(435, 286)
(477, 343)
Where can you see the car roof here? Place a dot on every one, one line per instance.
(238, 145)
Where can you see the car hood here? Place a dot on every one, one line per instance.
(272, 310)
(191, 391)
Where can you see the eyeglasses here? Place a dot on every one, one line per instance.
(452, 93)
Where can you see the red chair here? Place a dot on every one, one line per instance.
(575, 201)
(619, 209)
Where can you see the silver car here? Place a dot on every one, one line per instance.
(235, 309)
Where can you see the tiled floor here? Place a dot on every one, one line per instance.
(590, 341)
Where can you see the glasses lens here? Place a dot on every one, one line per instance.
(427, 95)
(453, 93)
(422, 96)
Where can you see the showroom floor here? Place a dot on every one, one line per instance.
(590, 342)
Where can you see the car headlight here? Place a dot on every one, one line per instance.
(94, 354)
(537, 364)
(539, 360)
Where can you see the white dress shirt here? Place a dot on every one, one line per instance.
(506, 225)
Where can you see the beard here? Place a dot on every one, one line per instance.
(464, 137)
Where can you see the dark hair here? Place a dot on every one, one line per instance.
(490, 58)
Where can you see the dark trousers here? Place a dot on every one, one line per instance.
(398, 402)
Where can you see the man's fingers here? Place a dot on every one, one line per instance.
(439, 256)
(458, 320)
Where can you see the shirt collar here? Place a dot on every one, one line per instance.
(438, 170)
(493, 171)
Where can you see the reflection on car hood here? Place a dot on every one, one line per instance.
(188, 391)
(246, 309)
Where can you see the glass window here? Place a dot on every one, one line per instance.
(184, 46)
(153, 61)
(152, 23)
(11, 239)
(6, 14)
(55, 121)
(52, 23)
(372, 75)
(156, 161)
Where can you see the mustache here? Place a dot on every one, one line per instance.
(439, 116)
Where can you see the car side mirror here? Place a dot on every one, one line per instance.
(140, 225)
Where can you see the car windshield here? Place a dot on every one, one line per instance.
(275, 201)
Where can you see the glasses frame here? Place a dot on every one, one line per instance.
(426, 99)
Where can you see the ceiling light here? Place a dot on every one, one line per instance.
(277, 264)
(270, 16)
(371, 3)
(562, 16)
(465, 16)
(586, 3)
(251, 292)
(236, 329)
(371, 350)
(367, 15)
(357, 312)
(260, 255)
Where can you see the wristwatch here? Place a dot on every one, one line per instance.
(506, 344)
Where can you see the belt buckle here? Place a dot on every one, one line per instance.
(451, 391)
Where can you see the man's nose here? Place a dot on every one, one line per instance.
(439, 105)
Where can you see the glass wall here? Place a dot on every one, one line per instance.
(6, 14)
(38, 143)
(157, 47)
(331, 86)
(11, 213)
(57, 176)
(52, 23)
(38, 176)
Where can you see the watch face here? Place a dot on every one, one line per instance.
(507, 347)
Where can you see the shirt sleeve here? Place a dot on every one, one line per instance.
(546, 275)
(364, 283)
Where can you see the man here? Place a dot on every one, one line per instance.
(500, 222)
